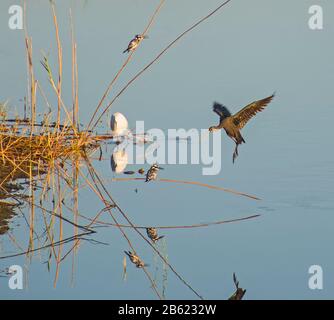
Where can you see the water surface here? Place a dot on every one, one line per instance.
(245, 52)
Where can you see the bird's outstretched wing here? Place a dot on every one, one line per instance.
(221, 110)
(244, 115)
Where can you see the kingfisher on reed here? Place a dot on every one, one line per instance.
(232, 124)
(152, 173)
(134, 43)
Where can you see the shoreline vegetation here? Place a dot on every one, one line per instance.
(47, 160)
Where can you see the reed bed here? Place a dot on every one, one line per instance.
(45, 147)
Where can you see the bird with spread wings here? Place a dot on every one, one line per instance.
(232, 124)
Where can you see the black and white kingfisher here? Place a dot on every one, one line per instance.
(152, 173)
(134, 43)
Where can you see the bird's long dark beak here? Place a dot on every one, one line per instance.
(146, 37)
(161, 168)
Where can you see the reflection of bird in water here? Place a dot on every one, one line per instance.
(135, 259)
(141, 171)
(152, 173)
(239, 293)
(134, 43)
(232, 124)
(152, 233)
(119, 160)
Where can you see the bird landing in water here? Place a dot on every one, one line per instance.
(152, 173)
(232, 124)
(134, 43)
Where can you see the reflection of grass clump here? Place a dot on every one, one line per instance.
(6, 213)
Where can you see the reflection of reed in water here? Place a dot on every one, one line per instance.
(36, 163)
(11, 191)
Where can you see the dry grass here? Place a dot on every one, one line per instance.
(44, 148)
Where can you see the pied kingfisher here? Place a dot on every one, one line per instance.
(152, 173)
(135, 259)
(133, 44)
(152, 233)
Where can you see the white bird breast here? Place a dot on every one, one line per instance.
(118, 124)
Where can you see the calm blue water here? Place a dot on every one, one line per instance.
(245, 52)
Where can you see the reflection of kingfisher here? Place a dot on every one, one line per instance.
(152, 233)
(152, 173)
(232, 124)
(134, 43)
(135, 259)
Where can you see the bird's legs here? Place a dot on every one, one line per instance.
(235, 153)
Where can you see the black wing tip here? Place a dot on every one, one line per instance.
(269, 99)
(273, 95)
(219, 106)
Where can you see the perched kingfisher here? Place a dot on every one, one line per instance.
(232, 124)
(135, 259)
(134, 43)
(152, 233)
(152, 173)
